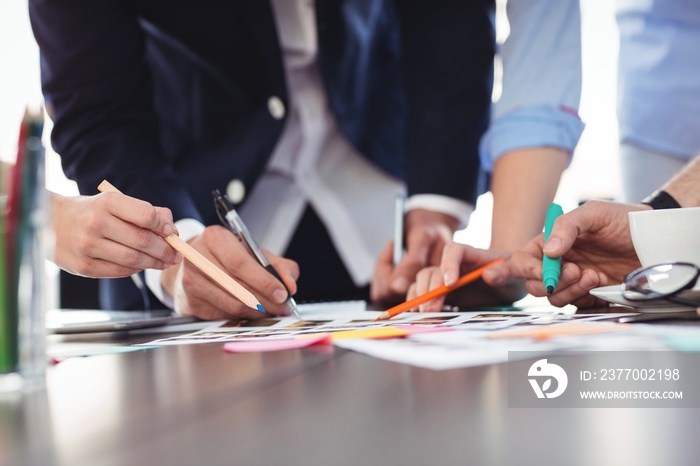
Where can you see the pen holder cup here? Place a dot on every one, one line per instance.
(23, 295)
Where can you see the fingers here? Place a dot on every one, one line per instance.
(460, 258)
(527, 263)
(134, 258)
(498, 274)
(570, 274)
(589, 218)
(101, 258)
(196, 295)
(141, 228)
(380, 290)
(424, 246)
(133, 246)
(451, 263)
(89, 237)
(133, 229)
(564, 232)
(428, 279)
(426, 234)
(137, 212)
(418, 247)
(235, 260)
(579, 293)
(573, 287)
(99, 268)
(166, 219)
(288, 271)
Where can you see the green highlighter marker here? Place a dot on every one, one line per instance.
(551, 268)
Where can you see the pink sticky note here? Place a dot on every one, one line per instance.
(275, 345)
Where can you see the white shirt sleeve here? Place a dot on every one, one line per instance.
(447, 205)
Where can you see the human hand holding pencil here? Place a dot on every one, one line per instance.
(196, 292)
(426, 233)
(438, 292)
(497, 287)
(110, 235)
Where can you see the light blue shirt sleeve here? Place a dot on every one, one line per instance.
(659, 87)
(541, 57)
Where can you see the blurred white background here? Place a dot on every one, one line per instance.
(594, 172)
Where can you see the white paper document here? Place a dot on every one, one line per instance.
(353, 315)
(450, 350)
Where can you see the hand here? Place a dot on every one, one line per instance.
(427, 233)
(496, 286)
(111, 235)
(197, 295)
(595, 245)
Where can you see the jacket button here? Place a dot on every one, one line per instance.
(276, 107)
(235, 191)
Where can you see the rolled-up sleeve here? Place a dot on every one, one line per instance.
(541, 90)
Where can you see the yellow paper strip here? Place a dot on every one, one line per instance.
(382, 332)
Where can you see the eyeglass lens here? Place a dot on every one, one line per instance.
(660, 280)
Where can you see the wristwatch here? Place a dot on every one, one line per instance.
(661, 200)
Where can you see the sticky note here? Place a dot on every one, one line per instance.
(258, 346)
(381, 332)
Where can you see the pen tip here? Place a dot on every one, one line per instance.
(260, 308)
(293, 307)
(550, 289)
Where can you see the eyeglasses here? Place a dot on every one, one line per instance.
(662, 281)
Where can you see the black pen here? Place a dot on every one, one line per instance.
(231, 220)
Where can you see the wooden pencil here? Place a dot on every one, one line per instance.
(207, 267)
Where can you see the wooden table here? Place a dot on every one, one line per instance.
(197, 405)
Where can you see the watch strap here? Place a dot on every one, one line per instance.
(661, 200)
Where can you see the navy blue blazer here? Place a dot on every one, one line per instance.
(168, 99)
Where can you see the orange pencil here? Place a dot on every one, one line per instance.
(439, 291)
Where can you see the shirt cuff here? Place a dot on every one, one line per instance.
(187, 228)
(457, 208)
(527, 127)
